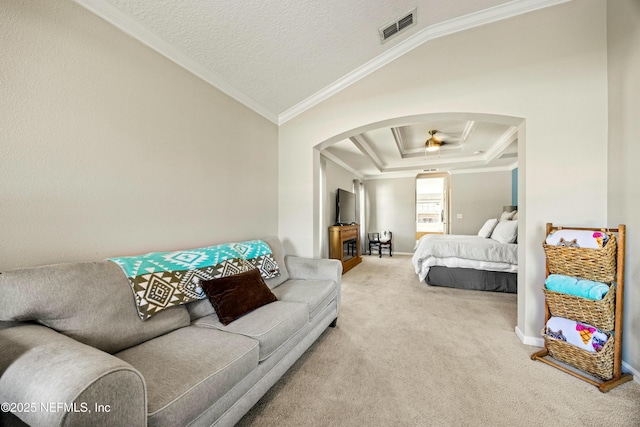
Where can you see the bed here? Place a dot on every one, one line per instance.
(467, 262)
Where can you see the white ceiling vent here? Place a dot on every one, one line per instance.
(408, 20)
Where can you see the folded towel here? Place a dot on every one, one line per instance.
(579, 334)
(578, 287)
(578, 238)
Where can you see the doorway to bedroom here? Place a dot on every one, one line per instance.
(432, 204)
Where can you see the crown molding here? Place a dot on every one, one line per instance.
(414, 173)
(483, 170)
(397, 137)
(476, 19)
(391, 175)
(365, 148)
(342, 164)
(116, 17)
(110, 13)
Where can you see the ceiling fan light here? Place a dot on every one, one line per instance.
(432, 145)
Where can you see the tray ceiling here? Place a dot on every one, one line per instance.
(473, 145)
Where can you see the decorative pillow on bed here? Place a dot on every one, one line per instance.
(508, 215)
(505, 231)
(487, 228)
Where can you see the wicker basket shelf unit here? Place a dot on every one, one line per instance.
(604, 368)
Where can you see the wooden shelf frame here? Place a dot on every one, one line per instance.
(618, 376)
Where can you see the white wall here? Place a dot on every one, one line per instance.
(478, 197)
(623, 23)
(107, 148)
(335, 177)
(391, 205)
(548, 67)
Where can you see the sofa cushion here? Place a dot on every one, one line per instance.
(189, 369)
(90, 302)
(234, 296)
(160, 280)
(200, 308)
(317, 294)
(278, 253)
(272, 325)
(203, 307)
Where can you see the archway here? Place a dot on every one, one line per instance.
(517, 122)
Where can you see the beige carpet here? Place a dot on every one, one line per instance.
(408, 354)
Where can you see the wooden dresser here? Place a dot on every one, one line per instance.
(344, 245)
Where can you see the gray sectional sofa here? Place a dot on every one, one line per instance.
(73, 351)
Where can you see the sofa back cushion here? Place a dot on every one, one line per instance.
(202, 308)
(90, 302)
(278, 254)
(160, 280)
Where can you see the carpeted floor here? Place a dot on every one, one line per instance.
(408, 354)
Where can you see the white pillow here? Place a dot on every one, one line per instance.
(505, 231)
(507, 215)
(487, 228)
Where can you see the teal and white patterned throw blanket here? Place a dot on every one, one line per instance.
(161, 280)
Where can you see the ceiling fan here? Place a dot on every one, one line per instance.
(438, 139)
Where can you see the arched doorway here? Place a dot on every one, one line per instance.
(517, 123)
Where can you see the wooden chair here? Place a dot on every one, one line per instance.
(374, 241)
(384, 243)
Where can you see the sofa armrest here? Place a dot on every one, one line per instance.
(49, 379)
(311, 268)
(315, 269)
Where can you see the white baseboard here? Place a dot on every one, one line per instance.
(539, 342)
(526, 340)
(627, 368)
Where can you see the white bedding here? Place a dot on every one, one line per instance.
(464, 252)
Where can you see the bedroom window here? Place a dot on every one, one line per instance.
(432, 204)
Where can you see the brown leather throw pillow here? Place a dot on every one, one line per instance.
(234, 296)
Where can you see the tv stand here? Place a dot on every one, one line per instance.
(344, 245)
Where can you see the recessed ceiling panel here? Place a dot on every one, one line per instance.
(346, 154)
(465, 145)
(383, 143)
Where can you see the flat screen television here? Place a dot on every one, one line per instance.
(345, 207)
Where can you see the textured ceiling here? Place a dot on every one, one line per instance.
(274, 55)
(280, 58)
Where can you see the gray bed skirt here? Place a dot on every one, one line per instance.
(467, 278)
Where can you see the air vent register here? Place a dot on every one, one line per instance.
(396, 27)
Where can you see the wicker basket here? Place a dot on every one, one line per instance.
(598, 313)
(591, 264)
(598, 364)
